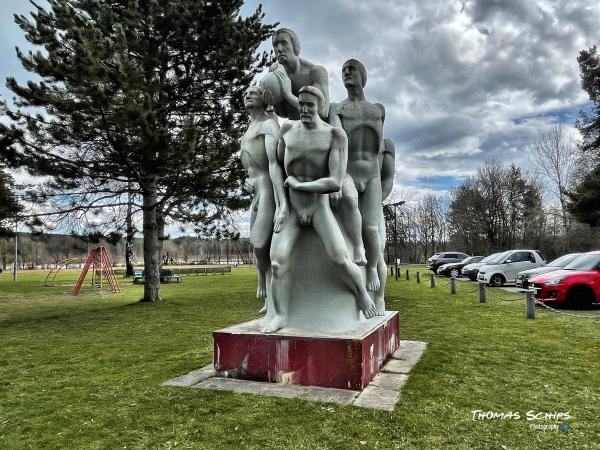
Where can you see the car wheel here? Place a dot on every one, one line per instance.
(454, 273)
(497, 280)
(580, 297)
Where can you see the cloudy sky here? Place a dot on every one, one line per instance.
(462, 81)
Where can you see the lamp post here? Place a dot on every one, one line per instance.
(395, 205)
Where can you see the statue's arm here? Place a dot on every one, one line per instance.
(275, 153)
(338, 158)
(388, 167)
(320, 79)
(334, 119)
(382, 109)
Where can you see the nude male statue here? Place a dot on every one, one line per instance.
(363, 123)
(259, 157)
(293, 73)
(314, 159)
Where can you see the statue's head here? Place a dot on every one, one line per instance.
(310, 103)
(254, 98)
(354, 73)
(286, 45)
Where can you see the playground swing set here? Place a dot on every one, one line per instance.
(102, 271)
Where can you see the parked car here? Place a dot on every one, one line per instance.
(442, 258)
(453, 269)
(578, 284)
(471, 270)
(522, 279)
(509, 264)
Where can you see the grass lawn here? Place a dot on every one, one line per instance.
(86, 372)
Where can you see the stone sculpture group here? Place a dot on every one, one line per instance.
(318, 182)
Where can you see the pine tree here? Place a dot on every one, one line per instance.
(141, 93)
(584, 196)
(9, 207)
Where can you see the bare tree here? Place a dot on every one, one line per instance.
(554, 159)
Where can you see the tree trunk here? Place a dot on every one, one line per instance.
(130, 234)
(151, 244)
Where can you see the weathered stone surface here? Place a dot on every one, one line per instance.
(192, 378)
(318, 394)
(382, 393)
(393, 381)
(250, 387)
(398, 366)
(375, 397)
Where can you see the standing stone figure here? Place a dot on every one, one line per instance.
(265, 180)
(363, 123)
(314, 156)
(291, 73)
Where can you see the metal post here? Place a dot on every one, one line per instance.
(453, 285)
(16, 252)
(407, 275)
(481, 292)
(530, 303)
(418, 277)
(432, 281)
(396, 243)
(392, 271)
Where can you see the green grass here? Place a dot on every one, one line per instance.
(86, 372)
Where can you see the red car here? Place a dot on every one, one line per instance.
(578, 284)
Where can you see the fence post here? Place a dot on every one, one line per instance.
(418, 277)
(482, 292)
(407, 275)
(397, 273)
(453, 285)
(432, 281)
(530, 303)
(392, 270)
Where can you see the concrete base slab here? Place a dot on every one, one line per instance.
(382, 393)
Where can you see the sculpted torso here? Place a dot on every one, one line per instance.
(307, 165)
(363, 123)
(254, 157)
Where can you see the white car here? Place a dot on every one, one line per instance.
(508, 264)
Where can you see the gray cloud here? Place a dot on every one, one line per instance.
(457, 78)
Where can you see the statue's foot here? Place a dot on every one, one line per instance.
(380, 306)
(360, 257)
(275, 324)
(367, 306)
(263, 310)
(373, 283)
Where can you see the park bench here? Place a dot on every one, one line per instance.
(138, 277)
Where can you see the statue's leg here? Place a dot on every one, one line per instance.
(262, 229)
(331, 236)
(370, 204)
(353, 220)
(381, 269)
(282, 246)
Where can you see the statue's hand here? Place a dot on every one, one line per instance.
(248, 186)
(334, 199)
(291, 182)
(268, 97)
(281, 215)
(284, 81)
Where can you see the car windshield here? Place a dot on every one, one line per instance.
(435, 256)
(584, 262)
(489, 258)
(565, 260)
(500, 257)
(470, 259)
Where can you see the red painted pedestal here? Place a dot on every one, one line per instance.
(345, 360)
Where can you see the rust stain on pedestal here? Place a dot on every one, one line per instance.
(347, 361)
